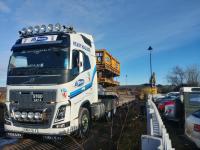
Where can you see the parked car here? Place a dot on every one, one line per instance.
(192, 127)
(162, 102)
(173, 94)
(174, 110)
(158, 97)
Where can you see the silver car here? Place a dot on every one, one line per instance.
(192, 127)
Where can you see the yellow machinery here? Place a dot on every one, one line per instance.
(108, 68)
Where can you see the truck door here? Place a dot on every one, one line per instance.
(80, 69)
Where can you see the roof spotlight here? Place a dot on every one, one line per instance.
(23, 31)
(30, 30)
(37, 29)
(43, 28)
(50, 27)
(65, 29)
(57, 27)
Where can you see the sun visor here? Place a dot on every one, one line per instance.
(43, 41)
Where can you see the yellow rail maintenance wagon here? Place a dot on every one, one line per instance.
(108, 68)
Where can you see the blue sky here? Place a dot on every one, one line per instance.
(124, 27)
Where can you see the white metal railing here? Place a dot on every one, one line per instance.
(157, 136)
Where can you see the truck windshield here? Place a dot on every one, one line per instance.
(40, 58)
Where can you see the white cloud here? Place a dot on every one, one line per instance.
(4, 8)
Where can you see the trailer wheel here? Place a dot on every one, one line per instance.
(84, 122)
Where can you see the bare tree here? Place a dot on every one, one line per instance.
(176, 76)
(192, 75)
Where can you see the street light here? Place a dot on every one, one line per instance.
(150, 50)
(152, 77)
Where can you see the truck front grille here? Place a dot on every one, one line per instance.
(34, 101)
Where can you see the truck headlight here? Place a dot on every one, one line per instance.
(62, 125)
(60, 113)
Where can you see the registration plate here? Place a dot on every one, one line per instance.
(37, 97)
(28, 130)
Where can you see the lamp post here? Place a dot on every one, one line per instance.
(150, 50)
(126, 79)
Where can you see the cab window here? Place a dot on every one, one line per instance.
(86, 62)
(80, 62)
(75, 62)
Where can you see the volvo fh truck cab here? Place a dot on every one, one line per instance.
(52, 82)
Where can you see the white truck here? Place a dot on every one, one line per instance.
(52, 87)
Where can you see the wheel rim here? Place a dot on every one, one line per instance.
(85, 122)
(109, 114)
(114, 111)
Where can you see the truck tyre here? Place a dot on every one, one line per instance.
(84, 122)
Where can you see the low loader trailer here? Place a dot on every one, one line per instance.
(52, 84)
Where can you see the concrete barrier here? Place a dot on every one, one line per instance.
(157, 137)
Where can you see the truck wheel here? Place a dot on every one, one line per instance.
(84, 122)
(109, 115)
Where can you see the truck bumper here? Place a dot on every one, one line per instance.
(38, 131)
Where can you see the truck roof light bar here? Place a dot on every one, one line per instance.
(50, 27)
(37, 29)
(24, 31)
(69, 29)
(45, 29)
(58, 27)
(30, 30)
